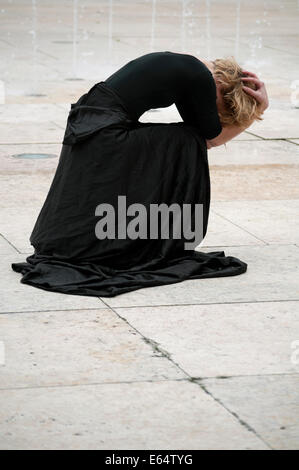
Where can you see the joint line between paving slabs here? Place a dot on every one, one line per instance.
(231, 302)
(234, 414)
(90, 384)
(237, 376)
(155, 346)
(71, 309)
(291, 141)
(167, 355)
(145, 306)
(10, 243)
(239, 226)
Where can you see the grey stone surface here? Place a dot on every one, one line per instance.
(259, 152)
(222, 232)
(32, 113)
(6, 247)
(250, 182)
(159, 415)
(76, 347)
(268, 404)
(223, 339)
(278, 123)
(30, 132)
(254, 216)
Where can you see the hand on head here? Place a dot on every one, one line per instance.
(260, 93)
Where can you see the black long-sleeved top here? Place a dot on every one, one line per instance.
(160, 79)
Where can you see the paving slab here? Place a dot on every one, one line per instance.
(30, 132)
(76, 347)
(223, 339)
(18, 196)
(268, 404)
(254, 182)
(116, 416)
(33, 113)
(254, 216)
(6, 247)
(59, 90)
(17, 221)
(222, 232)
(11, 165)
(278, 123)
(245, 136)
(260, 152)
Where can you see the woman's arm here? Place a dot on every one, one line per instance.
(227, 133)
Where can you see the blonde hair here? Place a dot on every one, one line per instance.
(239, 107)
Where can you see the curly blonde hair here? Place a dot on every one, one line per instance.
(240, 108)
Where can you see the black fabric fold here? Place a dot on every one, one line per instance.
(105, 154)
(93, 112)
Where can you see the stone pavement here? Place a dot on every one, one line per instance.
(203, 364)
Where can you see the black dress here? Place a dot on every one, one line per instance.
(108, 155)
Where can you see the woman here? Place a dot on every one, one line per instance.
(95, 233)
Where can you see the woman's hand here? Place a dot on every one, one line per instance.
(260, 93)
